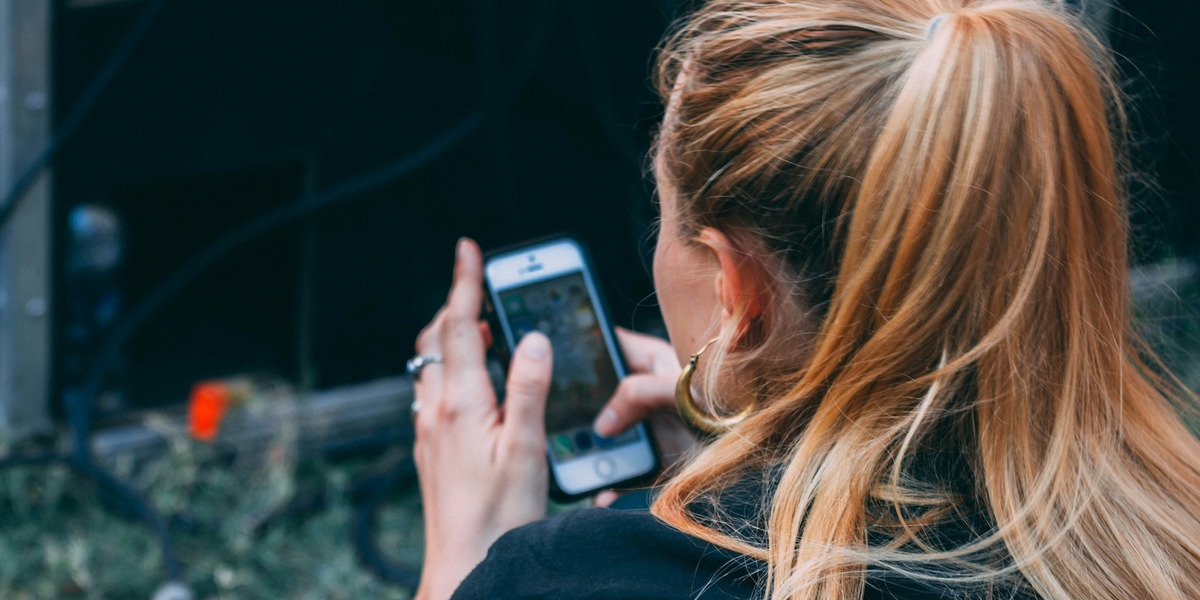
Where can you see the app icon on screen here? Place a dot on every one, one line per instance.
(583, 440)
(514, 305)
(521, 327)
(584, 317)
(624, 438)
(562, 446)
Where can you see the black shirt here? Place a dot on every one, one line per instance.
(605, 554)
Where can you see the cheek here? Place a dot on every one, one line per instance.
(666, 264)
(666, 292)
(683, 295)
(658, 268)
(662, 282)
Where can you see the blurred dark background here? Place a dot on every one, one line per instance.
(229, 110)
(274, 188)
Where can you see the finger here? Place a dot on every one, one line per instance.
(646, 353)
(486, 331)
(605, 498)
(636, 398)
(466, 292)
(462, 341)
(427, 385)
(525, 400)
(429, 335)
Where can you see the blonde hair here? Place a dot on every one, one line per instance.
(946, 204)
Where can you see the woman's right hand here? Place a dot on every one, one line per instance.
(648, 393)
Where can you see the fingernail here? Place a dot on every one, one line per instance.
(606, 498)
(535, 346)
(606, 423)
(460, 249)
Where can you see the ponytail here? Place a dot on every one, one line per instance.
(940, 183)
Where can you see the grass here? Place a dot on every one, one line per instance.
(57, 540)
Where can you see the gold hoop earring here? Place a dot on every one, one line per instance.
(692, 413)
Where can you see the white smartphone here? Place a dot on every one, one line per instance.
(548, 286)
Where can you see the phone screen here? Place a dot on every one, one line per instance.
(584, 377)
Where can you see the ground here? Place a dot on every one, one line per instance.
(57, 540)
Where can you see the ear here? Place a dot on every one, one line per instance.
(739, 282)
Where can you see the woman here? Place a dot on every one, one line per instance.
(903, 224)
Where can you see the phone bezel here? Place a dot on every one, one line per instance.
(498, 282)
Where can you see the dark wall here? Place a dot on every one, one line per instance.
(1159, 59)
(229, 109)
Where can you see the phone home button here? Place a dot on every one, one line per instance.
(605, 467)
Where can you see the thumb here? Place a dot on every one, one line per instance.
(637, 397)
(528, 385)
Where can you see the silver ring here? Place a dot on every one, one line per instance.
(420, 361)
(414, 407)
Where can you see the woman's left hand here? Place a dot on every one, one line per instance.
(482, 466)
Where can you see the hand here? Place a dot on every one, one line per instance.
(647, 393)
(482, 467)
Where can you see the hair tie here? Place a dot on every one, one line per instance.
(933, 25)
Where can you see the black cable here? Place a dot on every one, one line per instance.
(83, 105)
(107, 482)
(373, 492)
(178, 279)
(309, 204)
(80, 460)
(80, 402)
(140, 505)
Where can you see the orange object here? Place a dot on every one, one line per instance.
(208, 404)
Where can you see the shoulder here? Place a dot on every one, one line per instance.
(894, 586)
(601, 553)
